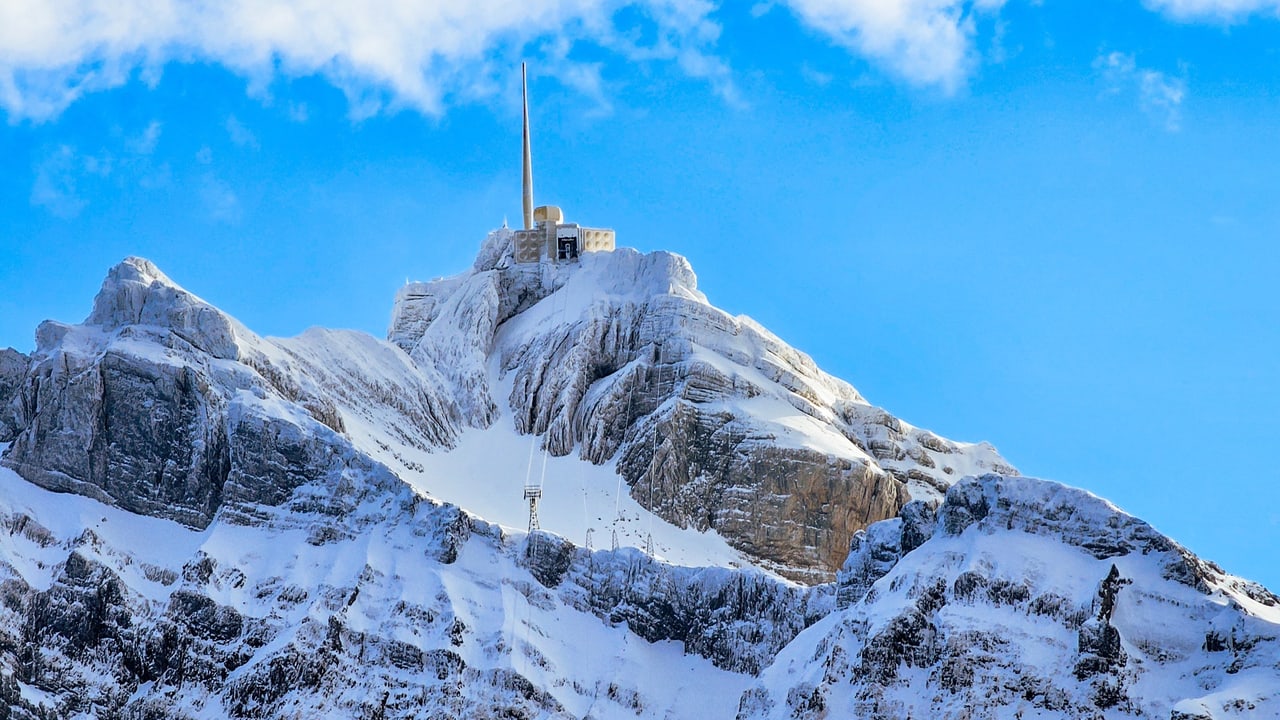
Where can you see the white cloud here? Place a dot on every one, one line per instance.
(1159, 94)
(145, 142)
(1224, 10)
(66, 177)
(815, 77)
(239, 134)
(55, 184)
(220, 202)
(416, 53)
(928, 42)
(425, 54)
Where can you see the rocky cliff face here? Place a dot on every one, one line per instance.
(713, 422)
(355, 598)
(1023, 598)
(162, 405)
(13, 370)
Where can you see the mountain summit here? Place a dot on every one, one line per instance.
(713, 423)
(206, 523)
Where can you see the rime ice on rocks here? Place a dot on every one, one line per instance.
(705, 420)
(331, 526)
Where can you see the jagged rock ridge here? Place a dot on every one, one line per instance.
(161, 404)
(1024, 598)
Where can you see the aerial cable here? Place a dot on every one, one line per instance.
(617, 494)
(653, 457)
(586, 514)
(533, 493)
(533, 441)
(557, 313)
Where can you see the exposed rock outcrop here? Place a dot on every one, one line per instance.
(13, 372)
(422, 611)
(1021, 597)
(713, 422)
(737, 619)
(162, 405)
(149, 436)
(133, 409)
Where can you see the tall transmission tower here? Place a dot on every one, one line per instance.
(533, 493)
(528, 156)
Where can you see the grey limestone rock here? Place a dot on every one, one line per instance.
(738, 619)
(1021, 597)
(13, 371)
(621, 359)
(125, 430)
(137, 293)
(164, 406)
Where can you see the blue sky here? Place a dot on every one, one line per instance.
(1047, 225)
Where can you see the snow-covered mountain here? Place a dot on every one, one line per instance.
(205, 523)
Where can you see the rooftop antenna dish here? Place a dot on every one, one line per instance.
(528, 160)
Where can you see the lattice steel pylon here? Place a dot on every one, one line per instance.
(533, 493)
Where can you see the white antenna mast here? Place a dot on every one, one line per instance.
(528, 160)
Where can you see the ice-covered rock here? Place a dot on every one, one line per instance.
(714, 422)
(355, 598)
(137, 293)
(258, 527)
(13, 371)
(161, 404)
(1025, 598)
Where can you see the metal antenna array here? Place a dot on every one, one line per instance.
(527, 198)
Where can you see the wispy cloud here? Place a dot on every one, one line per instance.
(239, 134)
(1221, 10)
(1159, 94)
(144, 143)
(926, 42)
(220, 201)
(815, 77)
(66, 177)
(54, 189)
